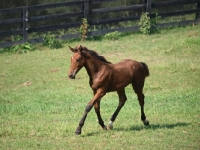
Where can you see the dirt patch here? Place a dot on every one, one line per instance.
(27, 83)
(54, 70)
(193, 34)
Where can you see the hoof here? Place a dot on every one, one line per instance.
(104, 128)
(78, 132)
(146, 122)
(110, 127)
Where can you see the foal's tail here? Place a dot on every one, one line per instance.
(146, 69)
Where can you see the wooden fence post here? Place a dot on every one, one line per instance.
(148, 7)
(86, 9)
(144, 2)
(198, 13)
(25, 24)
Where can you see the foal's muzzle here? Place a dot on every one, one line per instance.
(71, 76)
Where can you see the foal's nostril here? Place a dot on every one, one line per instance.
(71, 76)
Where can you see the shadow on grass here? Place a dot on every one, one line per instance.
(141, 127)
(153, 127)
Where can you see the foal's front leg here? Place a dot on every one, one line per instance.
(99, 94)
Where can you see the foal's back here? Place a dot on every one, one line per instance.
(124, 73)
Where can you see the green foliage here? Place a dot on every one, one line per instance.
(20, 49)
(16, 38)
(83, 29)
(154, 21)
(112, 35)
(145, 23)
(51, 41)
(148, 25)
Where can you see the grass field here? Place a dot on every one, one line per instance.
(40, 107)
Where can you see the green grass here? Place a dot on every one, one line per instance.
(45, 113)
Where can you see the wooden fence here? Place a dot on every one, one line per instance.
(86, 12)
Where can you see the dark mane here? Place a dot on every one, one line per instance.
(96, 55)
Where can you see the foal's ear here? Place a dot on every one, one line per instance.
(80, 49)
(72, 49)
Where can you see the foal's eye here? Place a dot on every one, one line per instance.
(78, 60)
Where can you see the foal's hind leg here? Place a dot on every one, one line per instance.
(138, 87)
(122, 100)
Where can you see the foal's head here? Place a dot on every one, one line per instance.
(77, 61)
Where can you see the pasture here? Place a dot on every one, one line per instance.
(40, 107)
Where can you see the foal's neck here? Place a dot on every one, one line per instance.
(93, 66)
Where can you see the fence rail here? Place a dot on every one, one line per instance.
(86, 11)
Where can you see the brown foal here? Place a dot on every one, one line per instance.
(106, 77)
